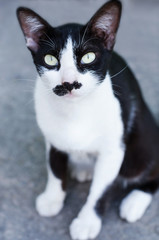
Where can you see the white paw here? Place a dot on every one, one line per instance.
(81, 175)
(48, 206)
(134, 205)
(83, 228)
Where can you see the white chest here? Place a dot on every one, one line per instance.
(83, 125)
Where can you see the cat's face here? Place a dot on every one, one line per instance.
(72, 60)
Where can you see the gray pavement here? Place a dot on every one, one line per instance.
(22, 153)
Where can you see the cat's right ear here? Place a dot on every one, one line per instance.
(33, 27)
(105, 22)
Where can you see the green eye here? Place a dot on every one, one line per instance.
(50, 60)
(88, 58)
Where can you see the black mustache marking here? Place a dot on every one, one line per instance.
(60, 90)
(66, 87)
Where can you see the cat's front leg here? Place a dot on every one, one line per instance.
(50, 202)
(88, 223)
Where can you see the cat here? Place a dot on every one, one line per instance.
(91, 112)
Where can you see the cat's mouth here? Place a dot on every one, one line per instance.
(66, 88)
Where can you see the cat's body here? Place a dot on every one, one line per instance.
(92, 114)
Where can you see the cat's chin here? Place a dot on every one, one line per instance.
(72, 96)
(76, 95)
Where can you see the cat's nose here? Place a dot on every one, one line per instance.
(68, 86)
(69, 76)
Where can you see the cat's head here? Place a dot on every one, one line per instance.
(72, 59)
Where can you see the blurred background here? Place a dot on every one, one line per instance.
(22, 152)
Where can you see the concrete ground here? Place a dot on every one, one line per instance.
(22, 153)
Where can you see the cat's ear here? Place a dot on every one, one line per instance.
(33, 27)
(104, 24)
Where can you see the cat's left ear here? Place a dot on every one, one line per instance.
(104, 24)
(33, 27)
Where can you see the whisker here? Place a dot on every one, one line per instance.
(115, 90)
(119, 72)
(117, 93)
(115, 85)
(25, 82)
(45, 90)
(84, 33)
(26, 79)
(89, 40)
(51, 40)
(27, 90)
(50, 44)
(29, 102)
(79, 39)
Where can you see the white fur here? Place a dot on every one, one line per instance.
(88, 121)
(89, 124)
(134, 205)
(30, 43)
(86, 226)
(68, 69)
(104, 23)
(34, 24)
(50, 202)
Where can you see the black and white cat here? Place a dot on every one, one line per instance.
(92, 116)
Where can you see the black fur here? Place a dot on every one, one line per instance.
(66, 87)
(142, 137)
(58, 163)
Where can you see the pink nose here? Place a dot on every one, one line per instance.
(69, 76)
